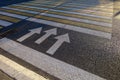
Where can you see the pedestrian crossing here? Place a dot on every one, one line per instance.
(93, 20)
(96, 18)
(15, 13)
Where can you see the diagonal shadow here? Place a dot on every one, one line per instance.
(9, 2)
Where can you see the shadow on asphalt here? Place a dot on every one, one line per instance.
(9, 2)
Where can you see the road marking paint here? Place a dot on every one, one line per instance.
(60, 40)
(26, 8)
(94, 8)
(73, 28)
(38, 6)
(48, 34)
(76, 23)
(13, 15)
(88, 5)
(17, 71)
(82, 14)
(32, 7)
(52, 5)
(78, 20)
(33, 31)
(5, 23)
(37, 3)
(46, 63)
(17, 12)
(32, 12)
(88, 11)
(10, 19)
(79, 16)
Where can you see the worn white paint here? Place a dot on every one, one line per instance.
(48, 34)
(60, 40)
(73, 28)
(5, 23)
(46, 63)
(33, 31)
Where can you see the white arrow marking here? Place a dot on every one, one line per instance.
(48, 34)
(61, 40)
(33, 31)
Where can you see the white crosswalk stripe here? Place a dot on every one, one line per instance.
(74, 28)
(13, 15)
(5, 23)
(51, 65)
(80, 20)
(33, 12)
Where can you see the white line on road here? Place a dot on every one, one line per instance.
(48, 64)
(28, 11)
(74, 28)
(13, 15)
(85, 10)
(5, 23)
(92, 7)
(60, 40)
(31, 7)
(82, 14)
(33, 31)
(79, 20)
(17, 71)
(48, 34)
(69, 12)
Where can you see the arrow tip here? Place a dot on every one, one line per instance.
(64, 37)
(52, 31)
(36, 30)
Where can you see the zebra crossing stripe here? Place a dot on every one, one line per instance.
(87, 12)
(88, 5)
(82, 14)
(10, 19)
(32, 12)
(51, 5)
(57, 68)
(26, 8)
(38, 6)
(73, 27)
(13, 15)
(47, 3)
(17, 71)
(5, 23)
(81, 17)
(75, 23)
(96, 13)
(100, 13)
(17, 12)
(79, 20)
(31, 7)
(91, 8)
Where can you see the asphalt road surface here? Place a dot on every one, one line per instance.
(64, 39)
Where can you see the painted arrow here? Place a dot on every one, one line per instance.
(60, 41)
(48, 34)
(33, 31)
